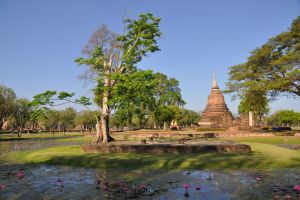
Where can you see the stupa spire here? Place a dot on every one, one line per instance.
(215, 84)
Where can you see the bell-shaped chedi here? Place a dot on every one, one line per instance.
(216, 113)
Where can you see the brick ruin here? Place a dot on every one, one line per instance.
(216, 113)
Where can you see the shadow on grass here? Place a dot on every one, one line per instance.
(147, 161)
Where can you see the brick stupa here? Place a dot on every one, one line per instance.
(216, 113)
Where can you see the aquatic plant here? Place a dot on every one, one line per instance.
(2, 186)
(20, 174)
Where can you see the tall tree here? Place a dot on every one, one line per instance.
(139, 94)
(22, 112)
(7, 103)
(134, 95)
(254, 101)
(274, 68)
(188, 117)
(108, 54)
(86, 118)
(67, 118)
(167, 91)
(168, 99)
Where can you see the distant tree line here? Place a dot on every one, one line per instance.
(19, 114)
(284, 118)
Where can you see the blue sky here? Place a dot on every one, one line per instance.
(41, 38)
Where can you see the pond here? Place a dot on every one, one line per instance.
(60, 182)
(64, 182)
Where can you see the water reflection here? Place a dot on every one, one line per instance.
(54, 182)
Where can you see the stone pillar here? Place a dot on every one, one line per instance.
(251, 119)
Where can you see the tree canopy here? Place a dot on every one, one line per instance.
(254, 101)
(7, 100)
(273, 68)
(284, 117)
(109, 54)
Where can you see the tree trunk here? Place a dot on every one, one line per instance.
(99, 137)
(105, 120)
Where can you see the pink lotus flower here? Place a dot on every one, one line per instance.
(141, 187)
(276, 196)
(198, 188)
(186, 186)
(20, 174)
(297, 188)
(258, 178)
(287, 196)
(2, 186)
(125, 189)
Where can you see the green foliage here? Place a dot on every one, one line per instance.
(63, 95)
(49, 98)
(140, 39)
(273, 68)
(188, 117)
(7, 100)
(22, 112)
(284, 117)
(168, 91)
(67, 118)
(163, 114)
(110, 55)
(133, 96)
(50, 119)
(83, 101)
(45, 98)
(86, 118)
(111, 58)
(254, 101)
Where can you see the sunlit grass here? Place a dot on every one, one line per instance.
(267, 140)
(264, 156)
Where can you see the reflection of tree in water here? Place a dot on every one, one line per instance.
(120, 188)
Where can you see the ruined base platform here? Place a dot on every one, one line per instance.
(168, 148)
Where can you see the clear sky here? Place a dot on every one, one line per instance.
(39, 40)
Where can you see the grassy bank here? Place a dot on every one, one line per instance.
(264, 156)
(25, 136)
(267, 140)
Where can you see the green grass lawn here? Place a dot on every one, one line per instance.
(267, 140)
(264, 156)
